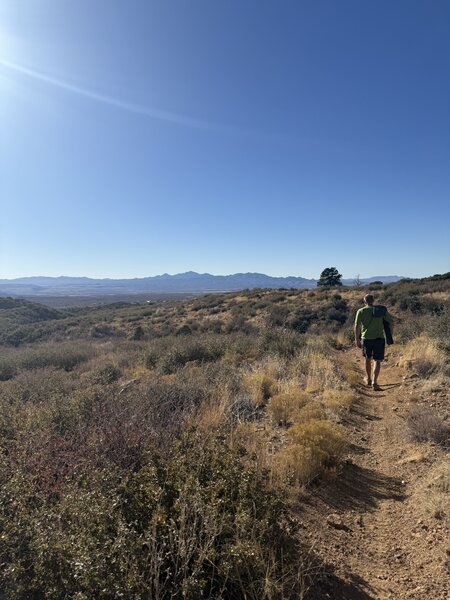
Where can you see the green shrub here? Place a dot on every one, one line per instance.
(302, 319)
(8, 368)
(278, 316)
(106, 374)
(101, 331)
(188, 349)
(184, 330)
(65, 355)
(279, 342)
(440, 324)
(199, 524)
(138, 333)
(62, 356)
(239, 323)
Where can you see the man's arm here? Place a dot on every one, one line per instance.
(357, 331)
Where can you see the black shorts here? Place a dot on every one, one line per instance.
(373, 348)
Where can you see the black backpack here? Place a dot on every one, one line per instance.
(381, 311)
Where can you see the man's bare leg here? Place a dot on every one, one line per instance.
(376, 372)
(369, 370)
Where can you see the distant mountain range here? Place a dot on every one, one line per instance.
(182, 283)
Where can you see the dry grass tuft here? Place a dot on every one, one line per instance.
(428, 426)
(338, 400)
(284, 408)
(321, 372)
(342, 338)
(437, 491)
(212, 415)
(424, 355)
(310, 412)
(260, 387)
(296, 464)
(327, 437)
(315, 446)
(435, 384)
(254, 439)
(314, 366)
(352, 377)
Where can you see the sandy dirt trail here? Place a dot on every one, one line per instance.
(372, 525)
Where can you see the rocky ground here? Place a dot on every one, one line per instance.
(381, 526)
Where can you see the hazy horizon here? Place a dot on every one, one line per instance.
(166, 136)
(307, 274)
(201, 273)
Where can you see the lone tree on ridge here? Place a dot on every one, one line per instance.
(330, 277)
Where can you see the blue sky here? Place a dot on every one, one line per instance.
(144, 137)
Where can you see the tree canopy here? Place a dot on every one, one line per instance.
(330, 277)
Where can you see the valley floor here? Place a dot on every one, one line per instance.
(375, 526)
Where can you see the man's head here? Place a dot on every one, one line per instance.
(368, 299)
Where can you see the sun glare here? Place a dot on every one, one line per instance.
(6, 51)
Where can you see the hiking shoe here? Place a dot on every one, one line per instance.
(376, 387)
(368, 381)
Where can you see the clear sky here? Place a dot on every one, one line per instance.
(146, 136)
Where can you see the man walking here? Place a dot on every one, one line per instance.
(369, 335)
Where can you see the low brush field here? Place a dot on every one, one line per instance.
(163, 450)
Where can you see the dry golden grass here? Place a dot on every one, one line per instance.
(273, 366)
(315, 446)
(435, 383)
(295, 465)
(423, 355)
(342, 338)
(352, 377)
(233, 356)
(328, 436)
(321, 372)
(437, 491)
(212, 415)
(310, 411)
(315, 366)
(137, 371)
(289, 385)
(283, 408)
(253, 438)
(338, 400)
(260, 386)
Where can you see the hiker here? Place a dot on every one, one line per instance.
(370, 336)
